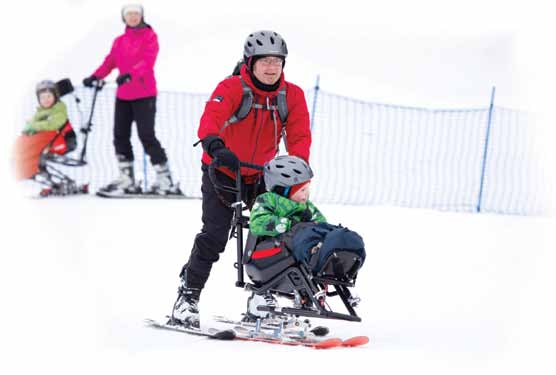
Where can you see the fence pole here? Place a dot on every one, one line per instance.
(485, 152)
(145, 183)
(317, 88)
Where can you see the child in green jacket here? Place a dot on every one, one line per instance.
(51, 114)
(286, 202)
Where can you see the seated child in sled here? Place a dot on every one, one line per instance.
(282, 207)
(42, 131)
(285, 211)
(51, 113)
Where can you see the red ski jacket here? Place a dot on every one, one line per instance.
(254, 138)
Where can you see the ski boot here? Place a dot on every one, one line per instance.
(185, 311)
(164, 184)
(124, 184)
(256, 300)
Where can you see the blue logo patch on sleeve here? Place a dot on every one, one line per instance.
(218, 99)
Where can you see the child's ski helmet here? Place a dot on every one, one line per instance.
(47, 85)
(286, 171)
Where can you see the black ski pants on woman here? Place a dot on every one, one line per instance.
(217, 222)
(142, 111)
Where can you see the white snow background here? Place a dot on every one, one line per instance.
(442, 292)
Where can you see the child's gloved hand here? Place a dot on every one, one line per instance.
(29, 131)
(306, 215)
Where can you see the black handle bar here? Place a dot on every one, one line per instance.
(238, 220)
(97, 86)
(232, 189)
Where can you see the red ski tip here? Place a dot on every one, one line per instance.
(327, 344)
(356, 341)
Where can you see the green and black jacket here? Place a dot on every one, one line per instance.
(273, 214)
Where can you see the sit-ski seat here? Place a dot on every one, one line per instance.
(272, 267)
(65, 140)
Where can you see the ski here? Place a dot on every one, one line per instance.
(210, 333)
(320, 344)
(305, 340)
(63, 191)
(143, 196)
(328, 343)
(136, 192)
(292, 326)
(247, 335)
(355, 341)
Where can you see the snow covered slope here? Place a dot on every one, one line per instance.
(441, 291)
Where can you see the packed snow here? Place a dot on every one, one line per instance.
(440, 291)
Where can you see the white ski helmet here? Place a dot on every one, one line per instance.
(133, 8)
(286, 171)
(265, 43)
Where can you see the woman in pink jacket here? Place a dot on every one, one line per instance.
(134, 54)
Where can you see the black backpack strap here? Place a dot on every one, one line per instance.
(247, 102)
(282, 105)
(245, 106)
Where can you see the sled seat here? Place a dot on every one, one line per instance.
(64, 141)
(266, 257)
(272, 267)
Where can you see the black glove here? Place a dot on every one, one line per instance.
(88, 82)
(224, 157)
(123, 78)
(306, 215)
(211, 143)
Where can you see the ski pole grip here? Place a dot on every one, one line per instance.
(99, 84)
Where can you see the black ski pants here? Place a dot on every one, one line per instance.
(142, 111)
(217, 221)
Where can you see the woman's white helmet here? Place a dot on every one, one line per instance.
(138, 8)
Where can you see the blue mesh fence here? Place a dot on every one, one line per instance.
(363, 153)
(372, 154)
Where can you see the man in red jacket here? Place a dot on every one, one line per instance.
(278, 109)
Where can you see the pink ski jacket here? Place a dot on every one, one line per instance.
(133, 52)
